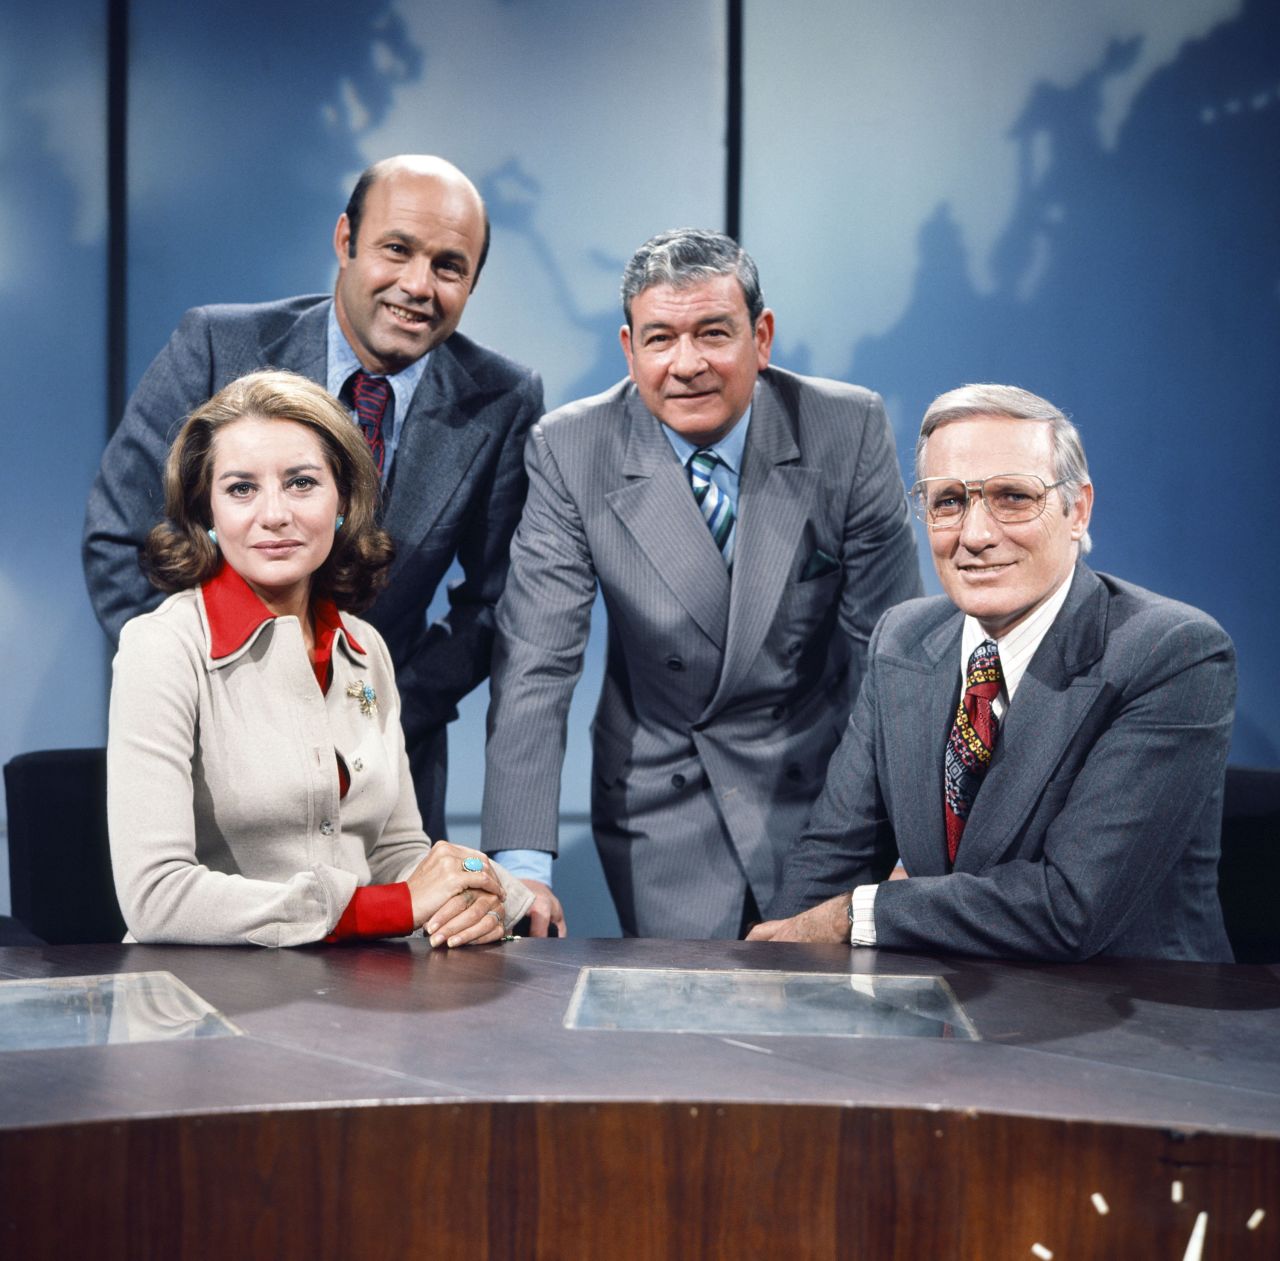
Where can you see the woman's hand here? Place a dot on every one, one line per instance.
(457, 906)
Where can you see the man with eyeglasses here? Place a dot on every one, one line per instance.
(1034, 766)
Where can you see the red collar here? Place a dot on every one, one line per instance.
(235, 612)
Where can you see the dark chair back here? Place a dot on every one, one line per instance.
(59, 860)
(1249, 872)
(14, 932)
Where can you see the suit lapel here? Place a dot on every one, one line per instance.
(437, 446)
(657, 507)
(1052, 701)
(304, 348)
(917, 701)
(775, 498)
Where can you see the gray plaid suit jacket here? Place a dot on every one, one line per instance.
(722, 700)
(458, 484)
(1096, 829)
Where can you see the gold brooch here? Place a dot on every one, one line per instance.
(368, 698)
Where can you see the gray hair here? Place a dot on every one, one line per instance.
(1069, 464)
(685, 256)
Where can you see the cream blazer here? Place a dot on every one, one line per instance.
(222, 792)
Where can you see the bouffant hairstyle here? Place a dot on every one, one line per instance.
(179, 553)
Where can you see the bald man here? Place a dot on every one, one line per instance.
(446, 420)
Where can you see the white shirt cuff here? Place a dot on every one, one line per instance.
(863, 902)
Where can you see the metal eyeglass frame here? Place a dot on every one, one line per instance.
(978, 487)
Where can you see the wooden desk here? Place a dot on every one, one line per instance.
(388, 1101)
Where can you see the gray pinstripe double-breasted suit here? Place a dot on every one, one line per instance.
(723, 696)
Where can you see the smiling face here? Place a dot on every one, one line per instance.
(275, 503)
(1000, 573)
(418, 246)
(694, 355)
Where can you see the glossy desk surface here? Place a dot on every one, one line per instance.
(1186, 1047)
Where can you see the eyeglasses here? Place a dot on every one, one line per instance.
(942, 502)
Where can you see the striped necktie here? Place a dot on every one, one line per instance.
(369, 395)
(972, 739)
(715, 505)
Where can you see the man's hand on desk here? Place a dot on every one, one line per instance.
(545, 911)
(829, 921)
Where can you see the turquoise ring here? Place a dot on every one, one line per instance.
(472, 864)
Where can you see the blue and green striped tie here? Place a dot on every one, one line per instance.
(715, 505)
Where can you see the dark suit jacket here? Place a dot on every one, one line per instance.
(1096, 829)
(722, 700)
(458, 484)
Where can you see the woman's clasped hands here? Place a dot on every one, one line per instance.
(457, 899)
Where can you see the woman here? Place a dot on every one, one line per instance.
(258, 789)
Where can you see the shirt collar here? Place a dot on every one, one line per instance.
(728, 450)
(1020, 644)
(328, 623)
(235, 614)
(342, 361)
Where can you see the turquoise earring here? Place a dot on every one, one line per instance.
(213, 535)
(341, 519)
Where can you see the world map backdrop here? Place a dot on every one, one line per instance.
(1079, 199)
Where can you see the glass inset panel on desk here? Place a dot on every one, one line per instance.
(832, 1005)
(95, 1010)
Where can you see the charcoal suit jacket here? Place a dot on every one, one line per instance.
(1096, 829)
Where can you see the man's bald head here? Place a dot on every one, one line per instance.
(409, 248)
(417, 164)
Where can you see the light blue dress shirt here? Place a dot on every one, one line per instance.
(342, 361)
(729, 451)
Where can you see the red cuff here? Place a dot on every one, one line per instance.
(376, 910)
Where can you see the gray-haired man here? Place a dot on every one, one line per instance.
(747, 527)
(1043, 747)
